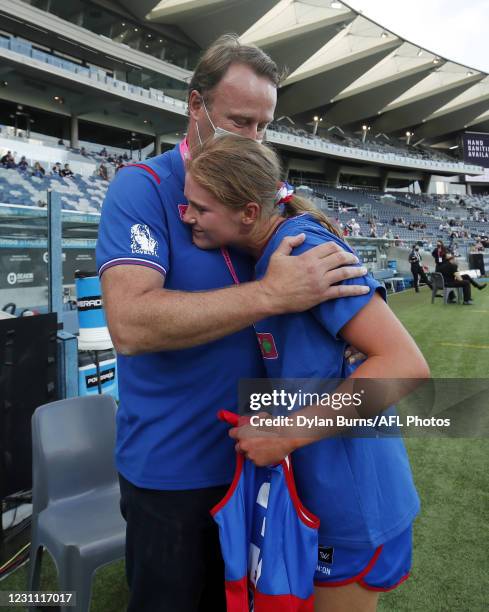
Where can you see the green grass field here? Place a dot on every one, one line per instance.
(451, 536)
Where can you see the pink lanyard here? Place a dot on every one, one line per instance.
(184, 150)
(229, 264)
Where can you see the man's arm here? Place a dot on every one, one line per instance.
(144, 317)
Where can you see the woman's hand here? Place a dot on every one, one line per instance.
(260, 445)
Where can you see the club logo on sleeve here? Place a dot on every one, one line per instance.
(267, 345)
(181, 210)
(142, 242)
(325, 554)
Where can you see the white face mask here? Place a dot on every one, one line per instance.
(218, 131)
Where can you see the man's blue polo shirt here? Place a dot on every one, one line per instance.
(168, 436)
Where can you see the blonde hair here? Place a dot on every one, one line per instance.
(239, 170)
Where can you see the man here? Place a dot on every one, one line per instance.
(66, 171)
(355, 228)
(449, 269)
(417, 269)
(184, 341)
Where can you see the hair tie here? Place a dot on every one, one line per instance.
(284, 194)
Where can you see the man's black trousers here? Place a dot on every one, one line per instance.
(418, 272)
(173, 557)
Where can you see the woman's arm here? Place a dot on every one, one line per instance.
(391, 351)
(391, 354)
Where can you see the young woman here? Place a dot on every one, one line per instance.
(360, 488)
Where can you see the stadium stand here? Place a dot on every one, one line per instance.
(402, 217)
(81, 193)
(340, 137)
(93, 74)
(103, 82)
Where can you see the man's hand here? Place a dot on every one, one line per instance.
(353, 355)
(295, 284)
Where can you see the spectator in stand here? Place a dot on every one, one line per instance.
(102, 172)
(38, 170)
(23, 165)
(125, 156)
(66, 171)
(83, 152)
(477, 247)
(355, 228)
(61, 142)
(451, 242)
(103, 152)
(56, 169)
(8, 160)
(120, 164)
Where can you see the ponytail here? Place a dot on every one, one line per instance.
(297, 205)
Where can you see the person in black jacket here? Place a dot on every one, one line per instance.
(448, 268)
(417, 269)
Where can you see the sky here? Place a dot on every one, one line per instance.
(457, 30)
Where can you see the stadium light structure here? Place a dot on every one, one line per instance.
(365, 131)
(289, 119)
(409, 135)
(317, 121)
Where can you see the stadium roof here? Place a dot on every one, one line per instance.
(343, 67)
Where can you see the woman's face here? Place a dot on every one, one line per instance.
(213, 224)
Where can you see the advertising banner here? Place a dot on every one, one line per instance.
(476, 148)
(27, 267)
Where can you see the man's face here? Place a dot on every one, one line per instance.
(213, 225)
(242, 102)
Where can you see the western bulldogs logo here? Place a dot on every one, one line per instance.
(142, 242)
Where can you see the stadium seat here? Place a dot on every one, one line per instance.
(439, 285)
(75, 492)
(77, 193)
